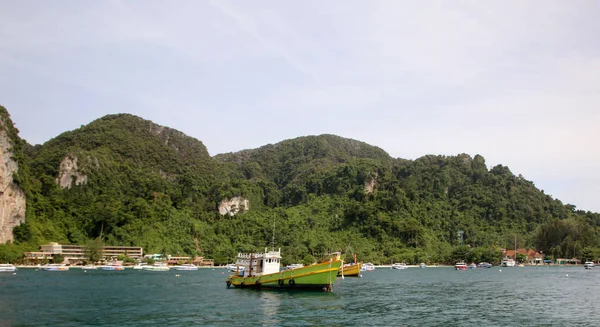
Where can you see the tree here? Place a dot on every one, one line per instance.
(58, 258)
(94, 249)
(521, 257)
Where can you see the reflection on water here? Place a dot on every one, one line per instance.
(270, 302)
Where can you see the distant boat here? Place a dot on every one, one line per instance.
(461, 265)
(54, 267)
(400, 266)
(186, 267)
(472, 266)
(293, 266)
(422, 265)
(140, 266)
(7, 267)
(262, 270)
(156, 267)
(89, 267)
(111, 267)
(589, 265)
(484, 265)
(367, 267)
(508, 262)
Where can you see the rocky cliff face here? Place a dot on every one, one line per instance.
(12, 197)
(233, 206)
(69, 173)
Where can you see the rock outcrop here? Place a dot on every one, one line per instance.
(12, 197)
(69, 173)
(233, 206)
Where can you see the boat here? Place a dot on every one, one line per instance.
(508, 262)
(367, 267)
(293, 266)
(140, 266)
(472, 266)
(484, 265)
(7, 267)
(422, 265)
(262, 270)
(89, 267)
(111, 267)
(461, 265)
(589, 265)
(232, 267)
(520, 265)
(158, 266)
(351, 269)
(400, 266)
(54, 267)
(186, 267)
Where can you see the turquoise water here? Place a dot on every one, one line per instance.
(529, 296)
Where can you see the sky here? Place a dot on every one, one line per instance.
(517, 82)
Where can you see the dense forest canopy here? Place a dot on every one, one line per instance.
(152, 186)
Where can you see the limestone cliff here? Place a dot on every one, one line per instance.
(12, 197)
(68, 173)
(233, 206)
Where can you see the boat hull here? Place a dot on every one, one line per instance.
(350, 270)
(319, 276)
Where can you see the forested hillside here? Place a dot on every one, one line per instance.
(133, 182)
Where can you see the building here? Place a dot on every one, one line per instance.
(74, 253)
(532, 257)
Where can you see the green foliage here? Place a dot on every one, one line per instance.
(93, 250)
(154, 187)
(58, 258)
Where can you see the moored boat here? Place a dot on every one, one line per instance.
(111, 267)
(54, 267)
(368, 267)
(351, 269)
(139, 266)
(185, 267)
(484, 265)
(293, 266)
(472, 266)
(508, 262)
(159, 266)
(589, 265)
(262, 270)
(399, 266)
(89, 267)
(7, 267)
(422, 265)
(461, 265)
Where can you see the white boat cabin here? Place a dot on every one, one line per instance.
(258, 264)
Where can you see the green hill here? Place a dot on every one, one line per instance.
(137, 183)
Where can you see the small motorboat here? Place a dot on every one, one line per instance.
(111, 267)
(472, 266)
(589, 265)
(7, 267)
(484, 265)
(399, 266)
(186, 267)
(422, 265)
(367, 267)
(54, 267)
(461, 265)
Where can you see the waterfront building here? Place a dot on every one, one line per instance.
(75, 253)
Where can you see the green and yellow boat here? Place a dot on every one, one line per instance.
(262, 270)
(351, 269)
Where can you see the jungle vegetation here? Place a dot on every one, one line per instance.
(155, 187)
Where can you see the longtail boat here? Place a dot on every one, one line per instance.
(351, 269)
(262, 270)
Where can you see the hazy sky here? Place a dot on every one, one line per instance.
(515, 81)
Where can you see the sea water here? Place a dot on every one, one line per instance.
(499, 296)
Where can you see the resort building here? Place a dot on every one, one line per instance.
(532, 257)
(74, 253)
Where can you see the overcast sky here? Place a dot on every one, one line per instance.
(515, 81)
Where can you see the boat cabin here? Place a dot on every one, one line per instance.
(257, 264)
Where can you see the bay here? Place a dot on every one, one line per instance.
(500, 296)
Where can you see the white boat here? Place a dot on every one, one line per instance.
(54, 267)
(589, 265)
(89, 267)
(508, 262)
(400, 266)
(368, 267)
(111, 267)
(156, 267)
(484, 265)
(293, 266)
(7, 267)
(472, 266)
(186, 267)
(140, 266)
(232, 267)
(422, 265)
